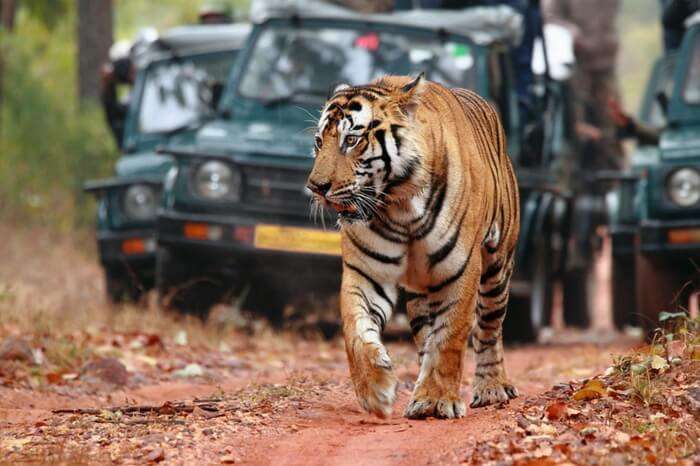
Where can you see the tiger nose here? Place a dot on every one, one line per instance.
(319, 188)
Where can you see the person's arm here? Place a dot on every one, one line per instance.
(557, 11)
(629, 127)
(676, 12)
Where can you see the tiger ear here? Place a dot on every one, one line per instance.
(415, 85)
(339, 87)
(409, 95)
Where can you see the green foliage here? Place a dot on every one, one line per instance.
(49, 13)
(133, 15)
(49, 144)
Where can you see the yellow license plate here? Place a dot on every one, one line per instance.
(292, 239)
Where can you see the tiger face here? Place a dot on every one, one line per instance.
(365, 158)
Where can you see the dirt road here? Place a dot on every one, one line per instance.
(289, 405)
(266, 398)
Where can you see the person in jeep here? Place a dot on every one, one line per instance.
(115, 73)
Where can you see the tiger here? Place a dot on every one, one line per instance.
(427, 204)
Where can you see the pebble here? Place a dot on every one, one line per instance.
(16, 349)
(109, 370)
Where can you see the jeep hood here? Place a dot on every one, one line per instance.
(256, 137)
(680, 143)
(143, 164)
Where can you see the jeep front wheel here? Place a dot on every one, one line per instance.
(660, 287)
(184, 285)
(624, 298)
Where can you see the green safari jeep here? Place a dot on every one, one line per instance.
(655, 210)
(178, 77)
(235, 211)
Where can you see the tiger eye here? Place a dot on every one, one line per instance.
(350, 140)
(318, 142)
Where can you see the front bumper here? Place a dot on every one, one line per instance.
(234, 242)
(131, 247)
(660, 236)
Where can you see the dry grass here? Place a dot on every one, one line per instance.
(51, 286)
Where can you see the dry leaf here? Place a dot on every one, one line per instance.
(621, 437)
(536, 462)
(54, 378)
(156, 456)
(591, 390)
(695, 354)
(556, 411)
(658, 363)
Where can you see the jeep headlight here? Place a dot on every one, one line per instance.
(217, 180)
(683, 187)
(140, 202)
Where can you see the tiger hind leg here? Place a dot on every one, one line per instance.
(491, 385)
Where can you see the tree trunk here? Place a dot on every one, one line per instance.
(8, 10)
(94, 41)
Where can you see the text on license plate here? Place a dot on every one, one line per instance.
(293, 239)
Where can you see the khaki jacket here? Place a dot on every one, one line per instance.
(593, 24)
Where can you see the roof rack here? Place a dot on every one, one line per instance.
(483, 25)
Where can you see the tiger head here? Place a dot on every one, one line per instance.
(365, 148)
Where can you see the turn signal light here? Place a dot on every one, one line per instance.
(203, 231)
(138, 246)
(686, 236)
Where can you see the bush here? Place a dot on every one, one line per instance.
(49, 144)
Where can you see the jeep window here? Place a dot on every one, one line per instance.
(691, 90)
(177, 92)
(304, 63)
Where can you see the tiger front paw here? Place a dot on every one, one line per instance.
(441, 408)
(374, 380)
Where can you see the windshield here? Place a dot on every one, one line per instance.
(691, 90)
(178, 92)
(304, 63)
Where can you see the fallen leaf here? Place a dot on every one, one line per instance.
(658, 363)
(695, 354)
(180, 338)
(591, 390)
(536, 462)
(191, 370)
(556, 411)
(621, 437)
(156, 455)
(54, 378)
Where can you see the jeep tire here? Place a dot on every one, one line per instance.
(184, 285)
(123, 285)
(660, 287)
(578, 296)
(528, 315)
(624, 307)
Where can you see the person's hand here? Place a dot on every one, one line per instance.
(619, 117)
(106, 74)
(587, 132)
